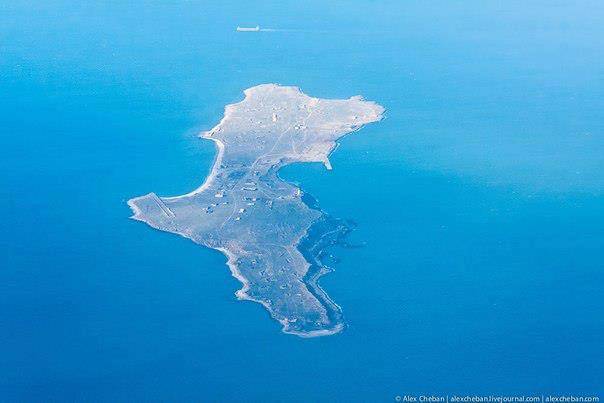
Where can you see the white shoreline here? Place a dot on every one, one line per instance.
(219, 144)
(213, 171)
(242, 295)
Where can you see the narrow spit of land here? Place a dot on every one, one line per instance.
(273, 239)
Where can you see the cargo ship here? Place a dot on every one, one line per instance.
(249, 29)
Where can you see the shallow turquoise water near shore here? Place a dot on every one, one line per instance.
(479, 200)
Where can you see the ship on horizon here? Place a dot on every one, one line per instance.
(248, 29)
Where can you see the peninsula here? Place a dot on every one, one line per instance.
(271, 234)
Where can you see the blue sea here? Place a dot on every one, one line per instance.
(479, 199)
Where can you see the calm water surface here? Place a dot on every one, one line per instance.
(479, 199)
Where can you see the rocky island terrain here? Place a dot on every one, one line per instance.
(271, 232)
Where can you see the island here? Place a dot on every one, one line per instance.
(273, 234)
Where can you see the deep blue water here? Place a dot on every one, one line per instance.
(480, 200)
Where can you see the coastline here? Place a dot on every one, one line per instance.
(311, 277)
(213, 171)
(242, 295)
(219, 144)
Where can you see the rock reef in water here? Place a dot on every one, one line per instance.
(273, 239)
